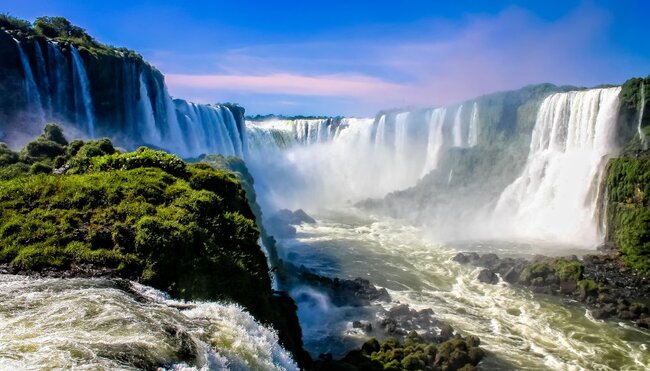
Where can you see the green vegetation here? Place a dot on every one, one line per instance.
(628, 120)
(415, 354)
(628, 208)
(568, 270)
(61, 30)
(552, 270)
(144, 215)
(588, 288)
(9, 22)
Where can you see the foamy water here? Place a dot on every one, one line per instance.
(520, 330)
(95, 324)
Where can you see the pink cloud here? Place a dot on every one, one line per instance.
(287, 83)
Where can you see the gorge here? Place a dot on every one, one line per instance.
(552, 170)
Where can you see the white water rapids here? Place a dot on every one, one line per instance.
(549, 208)
(519, 330)
(93, 324)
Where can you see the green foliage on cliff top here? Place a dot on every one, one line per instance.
(628, 208)
(9, 22)
(62, 30)
(145, 215)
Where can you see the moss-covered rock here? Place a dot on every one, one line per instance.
(628, 208)
(414, 354)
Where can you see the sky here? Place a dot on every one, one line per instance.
(354, 58)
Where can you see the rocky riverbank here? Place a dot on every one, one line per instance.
(400, 337)
(604, 283)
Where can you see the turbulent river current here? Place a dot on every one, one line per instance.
(520, 330)
(90, 324)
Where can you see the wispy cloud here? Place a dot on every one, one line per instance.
(358, 86)
(431, 63)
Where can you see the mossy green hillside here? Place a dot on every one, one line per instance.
(146, 215)
(628, 208)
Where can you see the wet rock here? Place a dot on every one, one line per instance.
(512, 275)
(626, 315)
(283, 223)
(487, 276)
(399, 310)
(461, 258)
(605, 311)
(363, 325)
(602, 282)
(342, 292)
(643, 322)
(488, 260)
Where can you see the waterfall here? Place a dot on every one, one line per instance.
(401, 137)
(555, 198)
(233, 132)
(60, 78)
(380, 136)
(31, 89)
(642, 137)
(458, 128)
(472, 136)
(435, 139)
(147, 120)
(43, 77)
(174, 139)
(83, 100)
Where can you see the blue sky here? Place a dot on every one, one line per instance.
(355, 58)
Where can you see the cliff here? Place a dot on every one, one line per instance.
(53, 71)
(627, 205)
(85, 209)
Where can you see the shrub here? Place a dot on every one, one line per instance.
(10, 22)
(142, 157)
(41, 149)
(7, 156)
(59, 27)
(40, 168)
(54, 133)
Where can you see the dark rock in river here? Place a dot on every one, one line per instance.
(283, 223)
(603, 282)
(487, 276)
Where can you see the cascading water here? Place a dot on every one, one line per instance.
(350, 160)
(574, 134)
(31, 89)
(435, 139)
(642, 136)
(555, 197)
(60, 78)
(173, 136)
(472, 138)
(83, 100)
(99, 324)
(211, 129)
(42, 73)
(380, 136)
(147, 125)
(458, 129)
